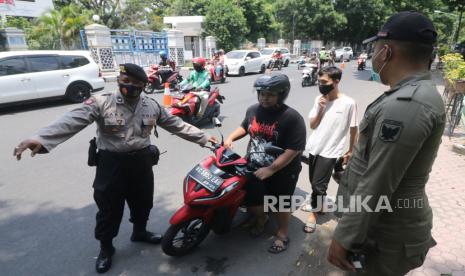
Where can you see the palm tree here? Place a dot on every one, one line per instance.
(60, 28)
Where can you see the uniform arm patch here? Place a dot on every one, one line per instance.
(390, 131)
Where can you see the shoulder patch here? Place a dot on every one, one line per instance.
(390, 131)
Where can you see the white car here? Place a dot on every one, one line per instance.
(39, 75)
(240, 62)
(344, 53)
(267, 53)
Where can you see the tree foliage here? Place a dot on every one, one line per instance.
(226, 22)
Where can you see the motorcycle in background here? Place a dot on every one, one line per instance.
(309, 74)
(159, 75)
(221, 77)
(186, 105)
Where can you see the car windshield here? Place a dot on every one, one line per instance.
(267, 51)
(236, 55)
(340, 49)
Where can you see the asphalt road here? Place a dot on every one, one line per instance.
(47, 213)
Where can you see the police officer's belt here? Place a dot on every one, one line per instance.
(142, 151)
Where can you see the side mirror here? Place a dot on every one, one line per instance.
(248, 58)
(216, 122)
(273, 150)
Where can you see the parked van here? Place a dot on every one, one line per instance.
(38, 75)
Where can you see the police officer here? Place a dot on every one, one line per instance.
(399, 138)
(125, 119)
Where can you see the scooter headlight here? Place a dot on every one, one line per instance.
(225, 191)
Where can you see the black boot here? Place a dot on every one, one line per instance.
(103, 263)
(140, 234)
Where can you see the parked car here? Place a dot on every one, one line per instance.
(240, 62)
(39, 75)
(268, 52)
(344, 53)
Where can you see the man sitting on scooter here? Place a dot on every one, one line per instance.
(277, 56)
(200, 80)
(217, 63)
(166, 61)
(272, 122)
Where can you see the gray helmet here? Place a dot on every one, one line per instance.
(275, 82)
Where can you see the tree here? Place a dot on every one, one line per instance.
(309, 19)
(59, 29)
(108, 10)
(226, 22)
(364, 17)
(188, 7)
(259, 19)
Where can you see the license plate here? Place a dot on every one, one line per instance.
(205, 178)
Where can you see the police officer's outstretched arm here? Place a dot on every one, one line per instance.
(182, 129)
(396, 140)
(61, 130)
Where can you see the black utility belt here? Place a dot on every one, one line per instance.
(142, 151)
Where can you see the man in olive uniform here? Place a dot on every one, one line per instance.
(399, 138)
(125, 119)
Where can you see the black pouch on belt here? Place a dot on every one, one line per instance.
(154, 154)
(93, 154)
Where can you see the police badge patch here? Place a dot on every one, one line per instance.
(390, 131)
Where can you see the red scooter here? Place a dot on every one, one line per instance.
(214, 77)
(186, 104)
(213, 192)
(158, 75)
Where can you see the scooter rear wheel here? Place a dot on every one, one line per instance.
(180, 239)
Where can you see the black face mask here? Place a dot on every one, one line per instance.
(198, 68)
(132, 92)
(325, 89)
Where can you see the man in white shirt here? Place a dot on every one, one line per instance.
(332, 118)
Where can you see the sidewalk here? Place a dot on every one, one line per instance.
(446, 192)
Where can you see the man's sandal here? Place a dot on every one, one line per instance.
(309, 227)
(276, 246)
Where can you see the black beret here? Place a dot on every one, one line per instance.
(134, 71)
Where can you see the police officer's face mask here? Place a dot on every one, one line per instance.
(130, 91)
(376, 76)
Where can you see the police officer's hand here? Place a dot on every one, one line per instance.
(264, 173)
(337, 255)
(33, 145)
(213, 140)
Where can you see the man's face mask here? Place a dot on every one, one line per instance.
(198, 67)
(325, 89)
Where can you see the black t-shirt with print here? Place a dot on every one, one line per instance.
(284, 128)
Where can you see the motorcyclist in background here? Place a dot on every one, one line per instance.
(324, 56)
(314, 60)
(166, 61)
(200, 80)
(217, 62)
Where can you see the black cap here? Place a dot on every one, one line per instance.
(407, 26)
(134, 71)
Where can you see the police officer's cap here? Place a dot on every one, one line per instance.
(407, 26)
(134, 71)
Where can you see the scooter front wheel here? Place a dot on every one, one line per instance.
(180, 239)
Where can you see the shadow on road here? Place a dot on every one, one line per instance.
(26, 107)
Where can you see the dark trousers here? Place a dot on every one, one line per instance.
(122, 178)
(320, 171)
